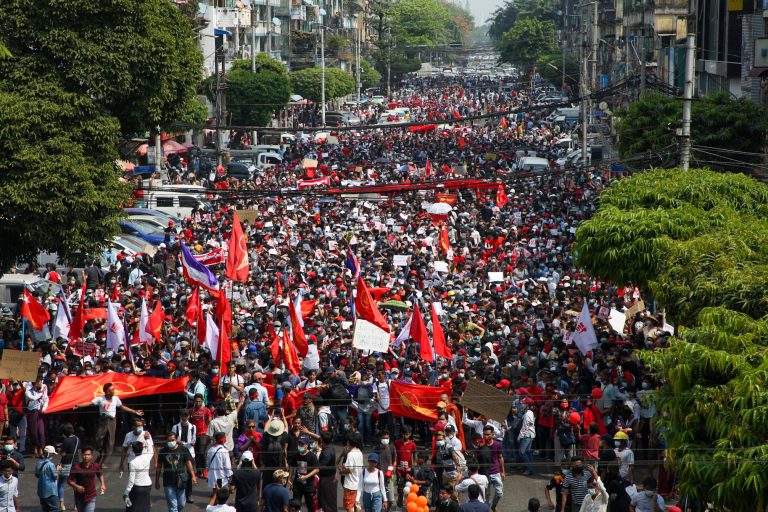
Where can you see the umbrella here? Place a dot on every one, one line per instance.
(126, 166)
(394, 304)
(439, 208)
(172, 146)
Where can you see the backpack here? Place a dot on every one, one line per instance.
(364, 394)
(339, 395)
(566, 436)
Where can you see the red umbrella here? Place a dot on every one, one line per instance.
(172, 146)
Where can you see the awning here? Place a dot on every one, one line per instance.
(757, 72)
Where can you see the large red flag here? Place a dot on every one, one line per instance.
(224, 312)
(193, 308)
(71, 391)
(428, 169)
(501, 197)
(456, 114)
(438, 337)
(367, 309)
(420, 336)
(445, 242)
(299, 338)
(414, 401)
(307, 306)
(274, 345)
(278, 289)
(237, 258)
(462, 142)
(78, 321)
(290, 357)
(155, 323)
(34, 312)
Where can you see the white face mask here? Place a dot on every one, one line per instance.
(385, 442)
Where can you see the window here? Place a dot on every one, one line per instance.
(164, 202)
(187, 202)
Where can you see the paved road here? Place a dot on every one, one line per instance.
(517, 490)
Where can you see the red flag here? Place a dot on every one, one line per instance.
(299, 339)
(307, 306)
(115, 296)
(414, 401)
(78, 321)
(193, 308)
(367, 309)
(456, 114)
(278, 289)
(446, 168)
(155, 323)
(501, 197)
(71, 391)
(290, 357)
(504, 124)
(445, 242)
(275, 345)
(438, 337)
(224, 313)
(461, 93)
(419, 335)
(34, 312)
(428, 169)
(462, 142)
(237, 258)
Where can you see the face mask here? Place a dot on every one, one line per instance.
(617, 444)
(184, 422)
(445, 502)
(566, 472)
(385, 442)
(440, 444)
(138, 430)
(461, 374)
(215, 371)
(302, 449)
(592, 492)
(171, 444)
(649, 493)
(8, 447)
(346, 426)
(445, 376)
(312, 446)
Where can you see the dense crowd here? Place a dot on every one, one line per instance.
(240, 426)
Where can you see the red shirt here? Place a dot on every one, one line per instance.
(16, 399)
(590, 446)
(200, 418)
(404, 452)
(87, 478)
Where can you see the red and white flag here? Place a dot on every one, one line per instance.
(319, 182)
(584, 334)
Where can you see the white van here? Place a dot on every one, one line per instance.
(12, 287)
(178, 200)
(533, 164)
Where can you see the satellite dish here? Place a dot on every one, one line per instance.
(603, 106)
(276, 22)
(323, 12)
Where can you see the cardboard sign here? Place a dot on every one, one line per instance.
(636, 308)
(247, 215)
(309, 163)
(401, 260)
(441, 266)
(19, 365)
(496, 277)
(370, 337)
(487, 400)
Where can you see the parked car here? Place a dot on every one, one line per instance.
(12, 287)
(147, 231)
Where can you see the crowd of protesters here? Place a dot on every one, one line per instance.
(588, 417)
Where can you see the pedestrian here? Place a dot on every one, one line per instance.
(474, 478)
(36, 399)
(83, 478)
(647, 500)
(474, 504)
(597, 497)
(275, 496)
(527, 435)
(186, 435)
(326, 487)
(218, 502)
(218, 462)
(200, 417)
(372, 488)
(303, 466)
(70, 455)
(137, 491)
(496, 470)
(47, 473)
(352, 470)
(246, 484)
(137, 434)
(446, 499)
(575, 485)
(386, 452)
(9, 487)
(624, 456)
(13, 455)
(175, 463)
(405, 458)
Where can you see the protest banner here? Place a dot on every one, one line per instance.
(370, 337)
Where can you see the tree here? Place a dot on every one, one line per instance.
(137, 58)
(59, 188)
(369, 77)
(550, 67)
(195, 114)
(526, 41)
(459, 23)
(417, 23)
(502, 19)
(307, 83)
(505, 16)
(252, 98)
(718, 122)
(697, 242)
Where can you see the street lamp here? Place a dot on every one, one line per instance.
(320, 13)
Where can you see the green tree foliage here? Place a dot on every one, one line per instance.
(369, 77)
(527, 41)
(697, 241)
(555, 74)
(459, 22)
(419, 22)
(718, 121)
(505, 16)
(252, 98)
(307, 83)
(137, 58)
(195, 114)
(59, 188)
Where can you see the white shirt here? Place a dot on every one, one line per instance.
(138, 472)
(238, 381)
(262, 395)
(599, 504)
(220, 508)
(480, 480)
(381, 390)
(219, 465)
(131, 437)
(107, 408)
(528, 428)
(644, 503)
(626, 458)
(9, 489)
(356, 464)
(36, 400)
(224, 424)
(372, 482)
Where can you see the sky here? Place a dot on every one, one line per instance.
(482, 9)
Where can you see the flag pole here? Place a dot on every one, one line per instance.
(23, 330)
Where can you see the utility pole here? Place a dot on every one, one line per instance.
(219, 69)
(357, 62)
(320, 12)
(690, 57)
(594, 45)
(642, 53)
(584, 92)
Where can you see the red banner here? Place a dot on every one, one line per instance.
(319, 182)
(71, 391)
(214, 257)
(414, 400)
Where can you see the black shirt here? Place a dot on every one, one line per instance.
(303, 464)
(272, 451)
(327, 461)
(174, 465)
(246, 482)
(69, 447)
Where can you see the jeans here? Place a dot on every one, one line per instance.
(50, 503)
(175, 498)
(497, 484)
(365, 425)
(372, 502)
(526, 453)
(84, 506)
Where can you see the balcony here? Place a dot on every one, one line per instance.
(263, 28)
(232, 17)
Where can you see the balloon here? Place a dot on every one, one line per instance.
(415, 488)
(412, 496)
(422, 501)
(411, 506)
(407, 488)
(597, 394)
(574, 418)
(420, 509)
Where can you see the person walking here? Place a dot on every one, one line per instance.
(474, 504)
(596, 499)
(70, 455)
(275, 497)
(496, 472)
(9, 487)
(136, 494)
(352, 469)
(47, 473)
(326, 489)
(36, 397)
(246, 484)
(527, 435)
(186, 435)
(218, 462)
(83, 479)
(175, 463)
(372, 488)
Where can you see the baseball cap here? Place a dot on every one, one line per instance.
(49, 450)
(247, 455)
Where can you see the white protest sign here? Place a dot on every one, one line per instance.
(438, 307)
(617, 319)
(370, 337)
(401, 260)
(496, 277)
(441, 266)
